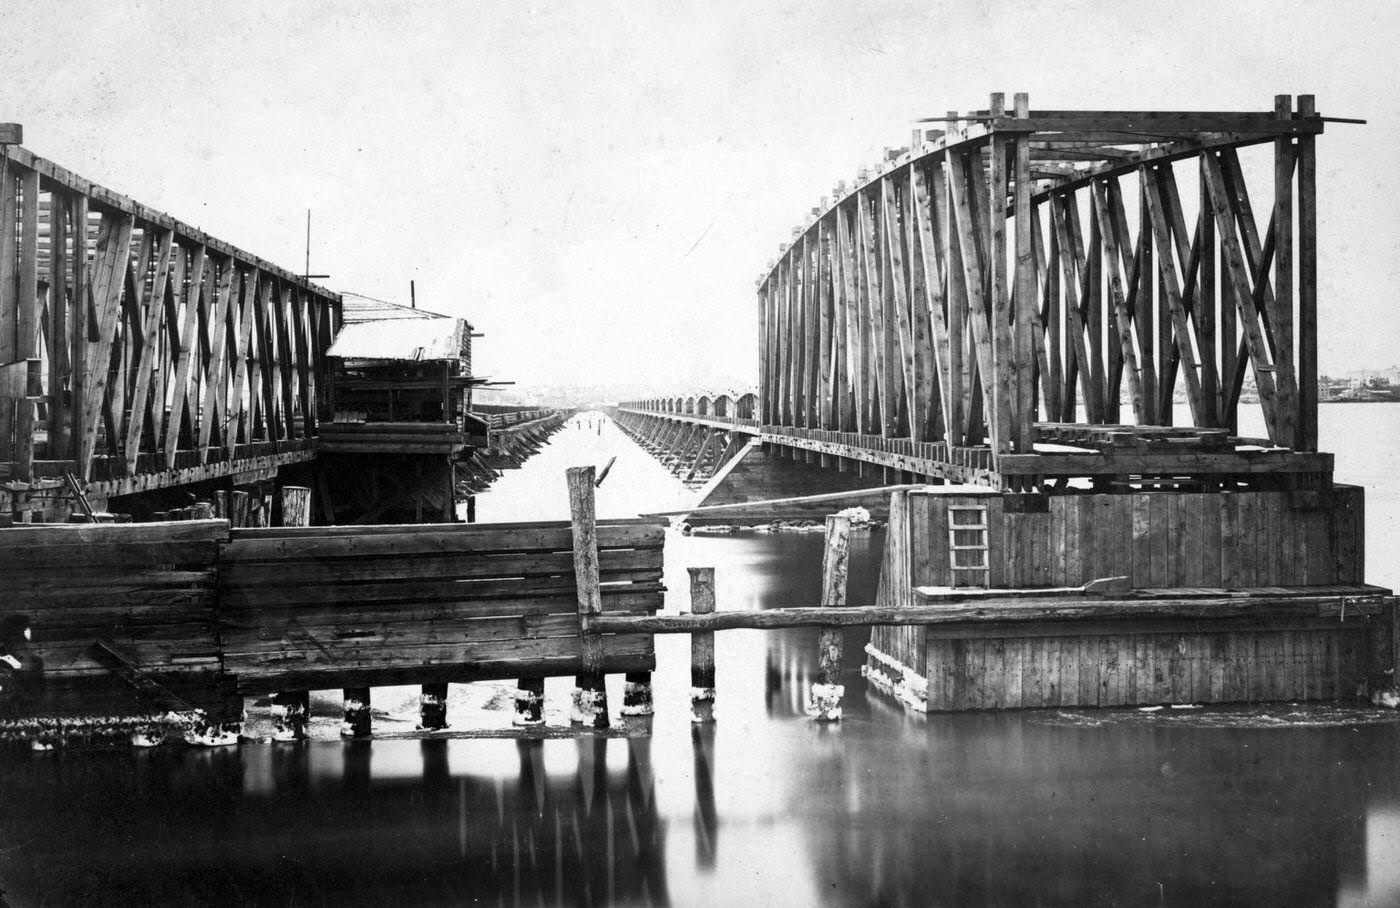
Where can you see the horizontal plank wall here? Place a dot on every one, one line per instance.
(346, 606)
(1204, 662)
(130, 619)
(1157, 539)
(147, 590)
(1175, 541)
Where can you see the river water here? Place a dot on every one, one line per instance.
(1272, 807)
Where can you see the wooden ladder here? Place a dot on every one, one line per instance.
(968, 519)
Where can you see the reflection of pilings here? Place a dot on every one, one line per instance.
(702, 738)
(357, 758)
(436, 774)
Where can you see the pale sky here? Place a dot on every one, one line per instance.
(598, 185)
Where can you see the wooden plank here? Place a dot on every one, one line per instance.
(1070, 533)
(185, 353)
(27, 320)
(153, 309)
(1306, 439)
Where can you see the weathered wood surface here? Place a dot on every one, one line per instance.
(196, 604)
(1159, 539)
(1058, 667)
(145, 591)
(427, 603)
(1265, 603)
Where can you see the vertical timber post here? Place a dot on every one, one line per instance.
(590, 695)
(1307, 283)
(291, 709)
(357, 719)
(702, 647)
(529, 701)
(824, 703)
(432, 707)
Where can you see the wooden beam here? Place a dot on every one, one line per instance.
(989, 612)
(153, 308)
(1307, 284)
(27, 319)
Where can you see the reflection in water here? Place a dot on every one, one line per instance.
(886, 808)
(319, 824)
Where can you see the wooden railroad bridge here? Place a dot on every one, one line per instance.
(140, 354)
(1056, 324)
(1001, 321)
(1027, 298)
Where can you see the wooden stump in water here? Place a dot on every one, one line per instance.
(590, 694)
(290, 712)
(636, 694)
(590, 708)
(702, 647)
(529, 701)
(824, 703)
(357, 723)
(432, 707)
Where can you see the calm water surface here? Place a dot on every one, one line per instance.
(1274, 807)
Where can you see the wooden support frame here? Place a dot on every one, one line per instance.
(1003, 274)
(146, 357)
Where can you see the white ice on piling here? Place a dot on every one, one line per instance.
(824, 702)
(901, 681)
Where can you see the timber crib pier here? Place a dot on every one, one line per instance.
(144, 629)
(996, 601)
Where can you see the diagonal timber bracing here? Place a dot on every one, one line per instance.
(1018, 268)
(170, 356)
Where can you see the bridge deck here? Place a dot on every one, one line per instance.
(1065, 453)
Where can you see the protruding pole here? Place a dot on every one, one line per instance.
(702, 647)
(290, 711)
(356, 724)
(1307, 282)
(825, 701)
(590, 695)
(432, 707)
(529, 701)
(636, 694)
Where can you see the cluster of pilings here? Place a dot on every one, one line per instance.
(694, 452)
(511, 444)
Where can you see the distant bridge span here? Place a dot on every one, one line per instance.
(975, 309)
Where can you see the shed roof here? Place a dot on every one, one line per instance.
(414, 339)
(356, 307)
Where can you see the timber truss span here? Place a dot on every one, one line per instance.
(157, 355)
(138, 353)
(1029, 297)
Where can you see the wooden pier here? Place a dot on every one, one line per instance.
(1007, 314)
(133, 622)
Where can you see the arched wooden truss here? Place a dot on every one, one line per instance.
(1003, 284)
(152, 353)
